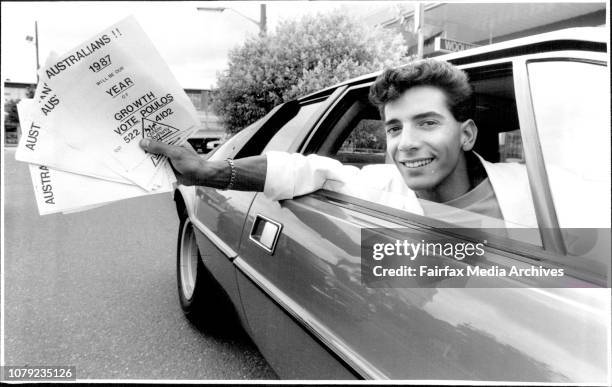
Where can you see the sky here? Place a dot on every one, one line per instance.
(193, 43)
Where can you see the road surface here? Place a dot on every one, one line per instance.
(97, 290)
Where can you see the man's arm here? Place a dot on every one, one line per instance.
(279, 175)
(191, 169)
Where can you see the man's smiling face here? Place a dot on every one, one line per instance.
(426, 143)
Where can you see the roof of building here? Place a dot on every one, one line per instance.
(18, 84)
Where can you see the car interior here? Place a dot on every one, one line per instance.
(357, 136)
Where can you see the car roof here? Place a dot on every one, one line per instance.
(582, 38)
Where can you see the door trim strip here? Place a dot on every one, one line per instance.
(311, 324)
(218, 242)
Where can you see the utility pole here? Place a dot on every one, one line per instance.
(418, 28)
(35, 39)
(263, 20)
(36, 44)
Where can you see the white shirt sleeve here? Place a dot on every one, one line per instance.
(293, 174)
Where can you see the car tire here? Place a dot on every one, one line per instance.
(191, 275)
(202, 299)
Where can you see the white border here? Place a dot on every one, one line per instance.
(282, 382)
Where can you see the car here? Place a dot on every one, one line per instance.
(213, 144)
(203, 145)
(291, 269)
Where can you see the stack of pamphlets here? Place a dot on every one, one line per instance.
(92, 106)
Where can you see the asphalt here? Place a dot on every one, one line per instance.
(97, 290)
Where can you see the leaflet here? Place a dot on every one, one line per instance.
(61, 191)
(117, 89)
(58, 191)
(80, 133)
(39, 145)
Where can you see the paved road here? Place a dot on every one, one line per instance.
(97, 290)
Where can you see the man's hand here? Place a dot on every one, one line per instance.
(191, 169)
(188, 166)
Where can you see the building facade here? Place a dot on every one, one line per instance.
(483, 23)
(14, 91)
(211, 129)
(17, 90)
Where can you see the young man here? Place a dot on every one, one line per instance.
(425, 107)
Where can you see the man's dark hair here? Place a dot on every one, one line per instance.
(392, 83)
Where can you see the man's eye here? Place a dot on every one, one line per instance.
(393, 129)
(428, 123)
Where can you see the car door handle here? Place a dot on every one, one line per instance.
(265, 233)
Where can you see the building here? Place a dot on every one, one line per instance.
(483, 23)
(17, 90)
(210, 131)
(14, 91)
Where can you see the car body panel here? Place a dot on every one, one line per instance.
(420, 333)
(296, 352)
(222, 213)
(214, 251)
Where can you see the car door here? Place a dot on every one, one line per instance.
(220, 215)
(302, 283)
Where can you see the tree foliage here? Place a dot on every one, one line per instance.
(368, 136)
(300, 57)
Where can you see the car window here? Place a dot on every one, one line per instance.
(365, 145)
(229, 147)
(356, 137)
(571, 102)
(285, 136)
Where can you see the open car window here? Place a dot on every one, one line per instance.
(357, 137)
(289, 131)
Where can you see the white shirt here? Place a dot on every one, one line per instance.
(293, 174)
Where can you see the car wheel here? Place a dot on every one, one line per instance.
(190, 271)
(203, 301)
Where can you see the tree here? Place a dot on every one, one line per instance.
(301, 56)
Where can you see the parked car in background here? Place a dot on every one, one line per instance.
(11, 137)
(291, 269)
(213, 144)
(203, 145)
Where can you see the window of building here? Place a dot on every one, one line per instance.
(196, 98)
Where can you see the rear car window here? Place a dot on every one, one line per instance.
(571, 102)
(230, 146)
(283, 139)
